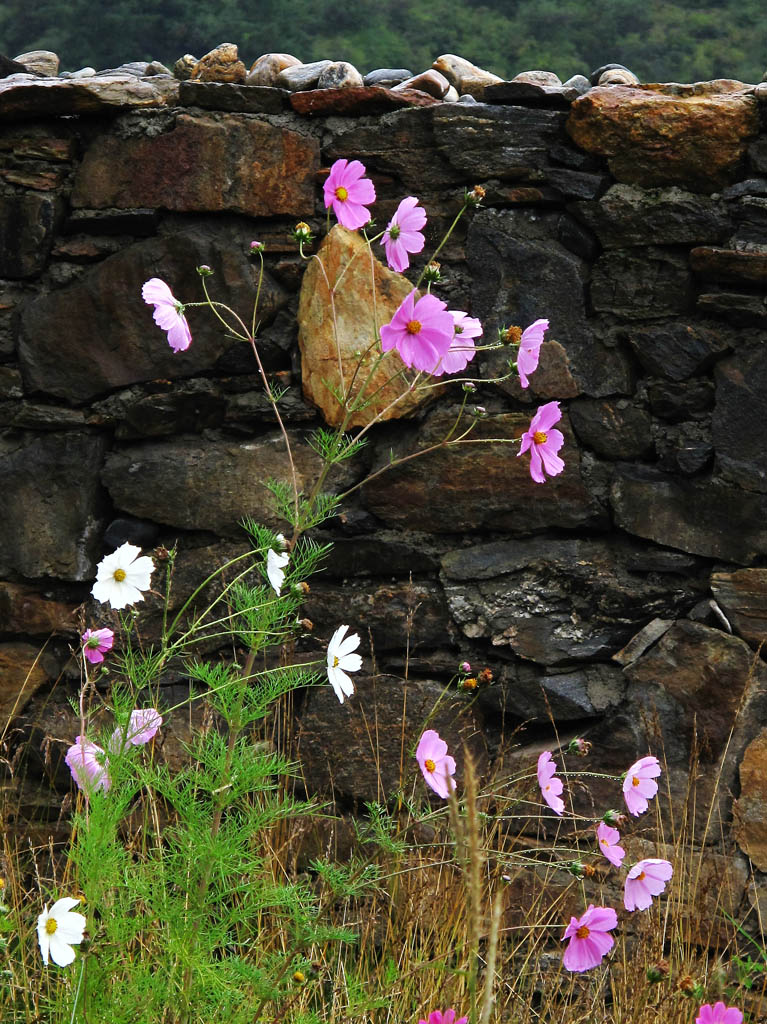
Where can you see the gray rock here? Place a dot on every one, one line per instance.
(87, 72)
(136, 68)
(641, 284)
(156, 67)
(618, 76)
(300, 77)
(339, 75)
(538, 78)
(677, 350)
(184, 66)
(245, 99)
(597, 74)
(580, 83)
(387, 77)
(451, 96)
(740, 418)
(531, 94)
(760, 92)
(737, 309)
(41, 62)
(28, 222)
(467, 99)
(613, 428)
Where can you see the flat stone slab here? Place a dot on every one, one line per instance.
(371, 99)
(64, 97)
(235, 98)
(527, 94)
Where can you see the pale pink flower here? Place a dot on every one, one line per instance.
(639, 785)
(143, 726)
(589, 940)
(543, 443)
(551, 786)
(422, 331)
(89, 766)
(462, 349)
(403, 234)
(448, 1017)
(348, 193)
(608, 839)
(529, 349)
(718, 1014)
(646, 879)
(96, 643)
(168, 313)
(437, 766)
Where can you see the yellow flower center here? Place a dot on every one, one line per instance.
(336, 662)
(603, 842)
(342, 194)
(51, 925)
(640, 876)
(119, 575)
(635, 781)
(413, 327)
(540, 437)
(513, 335)
(429, 765)
(582, 933)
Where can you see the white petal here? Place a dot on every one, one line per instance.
(350, 662)
(341, 683)
(351, 643)
(61, 953)
(42, 935)
(71, 928)
(65, 904)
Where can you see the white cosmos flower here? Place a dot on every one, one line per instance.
(58, 929)
(275, 565)
(341, 659)
(121, 576)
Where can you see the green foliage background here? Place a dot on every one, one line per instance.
(660, 40)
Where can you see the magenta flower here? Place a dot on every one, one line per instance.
(462, 350)
(646, 879)
(348, 192)
(403, 234)
(89, 766)
(422, 331)
(718, 1014)
(437, 766)
(143, 726)
(96, 643)
(639, 785)
(608, 839)
(551, 786)
(543, 443)
(168, 313)
(529, 349)
(448, 1017)
(589, 940)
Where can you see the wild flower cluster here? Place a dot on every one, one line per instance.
(221, 809)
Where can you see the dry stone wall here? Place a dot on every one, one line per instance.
(627, 598)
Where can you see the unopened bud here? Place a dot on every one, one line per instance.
(161, 553)
(432, 272)
(465, 666)
(256, 247)
(475, 197)
(469, 387)
(614, 818)
(658, 972)
(300, 589)
(480, 412)
(204, 270)
(280, 544)
(579, 747)
(302, 232)
(577, 868)
(307, 624)
(690, 988)
(299, 977)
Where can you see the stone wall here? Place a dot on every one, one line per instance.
(626, 598)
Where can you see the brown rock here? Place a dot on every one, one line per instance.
(743, 597)
(63, 98)
(367, 100)
(464, 76)
(241, 99)
(221, 64)
(432, 82)
(41, 62)
(265, 70)
(28, 223)
(354, 332)
(749, 811)
(184, 66)
(651, 138)
(21, 674)
(24, 610)
(202, 162)
(729, 265)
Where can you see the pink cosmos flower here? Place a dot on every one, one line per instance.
(168, 313)
(529, 349)
(403, 234)
(437, 766)
(589, 940)
(448, 1017)
(551, 786)
(646, 879)
(347, 192)
(608, 839)
(422, 331)
(461, 352)
(718, 1014)
(543, 443)
(143, 726)
(639, 785)
(89, 766)
(96, 643)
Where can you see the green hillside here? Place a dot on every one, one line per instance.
(660, 40)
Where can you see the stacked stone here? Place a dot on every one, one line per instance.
(629, 590)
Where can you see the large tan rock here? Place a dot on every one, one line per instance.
(749, 811)
(651, 137)
(222, 64)
(464, 76)
(265, 70)
(214, 162)
(325, 350)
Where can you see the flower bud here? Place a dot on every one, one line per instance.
(307, 624)
(480, 412)
(469, 387)
(579, 747)
(432, 272)
(299, 977)
(300, 589)
(204, 270)
(690, 988)
(256, 247)
(614, 818)
(658, 971)
(465, 666)
(577, 868)
(302, 232)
